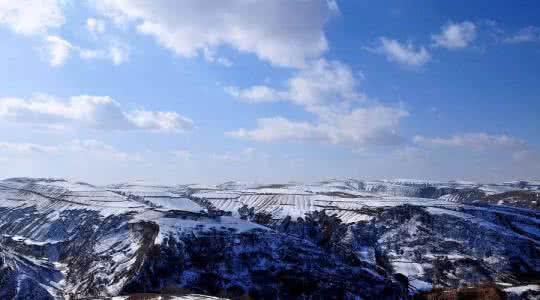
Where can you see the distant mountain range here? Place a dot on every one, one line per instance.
(337, 239)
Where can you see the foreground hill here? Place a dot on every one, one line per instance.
(338, 239)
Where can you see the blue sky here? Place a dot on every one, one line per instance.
(269, 91)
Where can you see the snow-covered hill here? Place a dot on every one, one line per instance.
(334, 239)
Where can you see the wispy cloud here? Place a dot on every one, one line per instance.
(56, 51)
(255, 94)
(243, 155)
(99, 150)
(455, 35)
(524, 35)
(183, 154)
(26, 148)
(474, 141)
(95, 26)
(402, 53)
(94, 148)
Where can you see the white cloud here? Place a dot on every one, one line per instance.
(319, 84)
(183, 154)
(474, 141)
(26, 148)
(39, 17)
(210, 56)
(224, 61)
(524, 35)
(244, 155)
(56, 50)
(159, 120)
(95, 26)
(361, 127)
(323, 82)
(455, 35)
(92, 54)
(283, 32)
(403, 53)
(250, 151)
(486, 156)
(528, 158)
(254, 94)
(93, 148)
(100, 150)
(31, 17)
(223, 157)
(117, 54)
(329, 90)
(277, 129)
(411, 154)
(100, 112)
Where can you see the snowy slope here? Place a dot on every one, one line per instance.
(62, 239)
